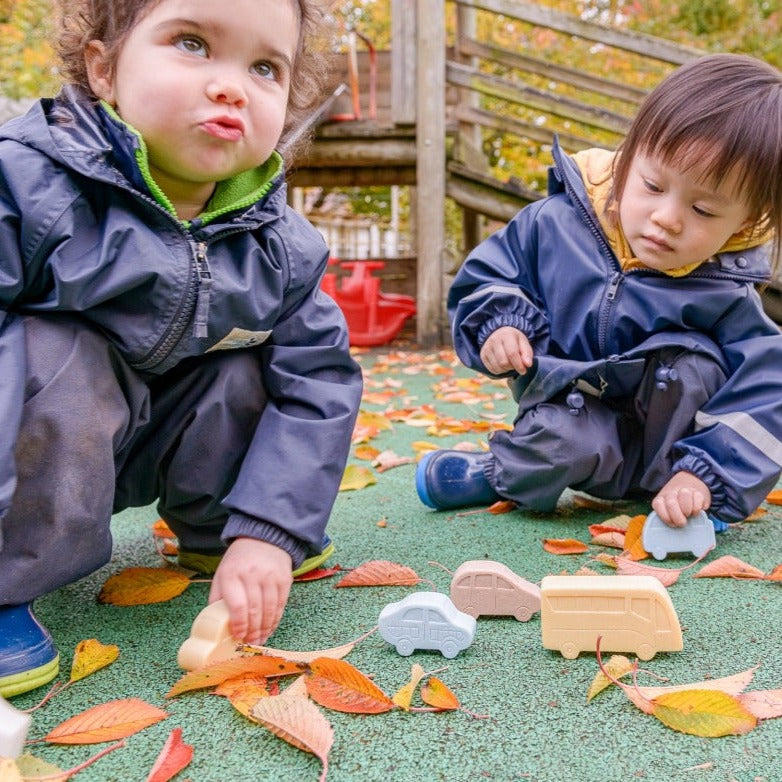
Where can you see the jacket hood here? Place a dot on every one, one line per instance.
(77, 132)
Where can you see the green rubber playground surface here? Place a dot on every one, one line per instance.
(539, 725)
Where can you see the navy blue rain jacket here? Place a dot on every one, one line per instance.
(80, 233)
(551, 274)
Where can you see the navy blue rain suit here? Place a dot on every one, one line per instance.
(144, 358)
(600, 410)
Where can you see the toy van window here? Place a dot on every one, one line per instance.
(503, 584)
(613, 605)
(663, 617)
(435, 616)
(414, 615)
(642, 608)
(483, 581)
(465, 582)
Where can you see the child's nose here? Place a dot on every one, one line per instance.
(668, 216)
(225, 88)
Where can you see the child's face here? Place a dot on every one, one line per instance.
(674, 218)
(206, 84)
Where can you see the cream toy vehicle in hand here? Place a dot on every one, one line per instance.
(696, 537)
(426, 620)
(484, 587)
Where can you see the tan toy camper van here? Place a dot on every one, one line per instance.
(628, 613)
(488, 588)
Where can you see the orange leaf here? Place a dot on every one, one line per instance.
(91, 656)
(708, 713)
(244, 692)
(174, 756)
(610, 538)
(729, 567)
(380, 572)
(502, 506)
(627, 567)
(298, 721)
(161, 530)
(338, 685)
(366, 452)
(437, 694)
(775, 574)
(106, 722)
(564, 546)
(775, 497)
(633, 545)
(216, 673)
(764, 704)
(143, 585)
(403, 697)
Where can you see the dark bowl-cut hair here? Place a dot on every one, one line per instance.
(111, 21)
(724, 111)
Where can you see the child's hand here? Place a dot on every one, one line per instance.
(507, 348)
(254, 578)
(683, 496)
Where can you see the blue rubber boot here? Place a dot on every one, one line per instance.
(453, 479)
(28, 657)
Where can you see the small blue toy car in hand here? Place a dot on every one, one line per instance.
(696, 537)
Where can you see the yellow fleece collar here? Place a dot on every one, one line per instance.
(596, 167)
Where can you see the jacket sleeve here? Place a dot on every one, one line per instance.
(736, 448)
(496, 286)
(291, 473)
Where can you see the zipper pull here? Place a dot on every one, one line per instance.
(613, 286)
(204, 290)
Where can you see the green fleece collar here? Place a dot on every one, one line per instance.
(238, 192)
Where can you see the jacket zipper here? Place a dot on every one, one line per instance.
(204, 274)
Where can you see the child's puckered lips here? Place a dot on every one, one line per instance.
(224, 127)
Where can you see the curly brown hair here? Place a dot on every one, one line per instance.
(110, 21)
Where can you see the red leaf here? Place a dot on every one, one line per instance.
(174, 756)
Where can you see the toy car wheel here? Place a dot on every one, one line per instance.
(569, 651)
(523, 614)
(645, 651)
(405, 647)
(658, 553)
(450, 649)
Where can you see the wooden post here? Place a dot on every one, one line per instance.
(430, 170)
(403, 62)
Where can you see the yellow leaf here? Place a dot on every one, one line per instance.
(709, 713)
(299, 722)
(617, 666)
(335, 652)
(90, 656)
(356, 477)
(403, 697)
(9, 771)
(106, 722)
(31, 766)
(143, 585)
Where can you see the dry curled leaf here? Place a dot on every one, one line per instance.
(90, 656)
(143, 585)
(338, 685)
(243, 691)
(729, 567)
(216, 673)
(298, 721)
(764, 704)
(628, 567)
(709, 713)
(380, 572)
(106, 722)
(616, 667)
(174, 756)
(564, 546)
(335, 652)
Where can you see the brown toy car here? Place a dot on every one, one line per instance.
(488, 588)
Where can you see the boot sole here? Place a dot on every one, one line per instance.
(18, 683)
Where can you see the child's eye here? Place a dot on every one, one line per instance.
(191, 44)
(264, 69)
(699, 210)
(651, 187)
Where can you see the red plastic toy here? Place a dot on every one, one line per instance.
(374, 317)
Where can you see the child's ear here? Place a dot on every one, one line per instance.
(99, 71)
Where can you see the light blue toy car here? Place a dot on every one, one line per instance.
(426, 620)
(696, 537)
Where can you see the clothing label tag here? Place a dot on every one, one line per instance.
(240, 338)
